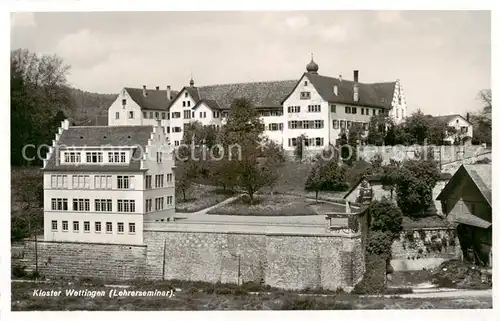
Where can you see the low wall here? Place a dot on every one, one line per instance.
(87, 260)
(284, 261)
(416, 249)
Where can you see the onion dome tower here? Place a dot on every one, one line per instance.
(312, 67)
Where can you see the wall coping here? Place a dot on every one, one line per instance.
(86, 243)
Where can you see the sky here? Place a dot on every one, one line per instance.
(442, 58)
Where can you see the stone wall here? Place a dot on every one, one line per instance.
(284, 261)
(87, 260)
(426, 244)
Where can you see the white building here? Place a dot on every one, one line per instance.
(462, 127)
(101, 183)
(317, 106)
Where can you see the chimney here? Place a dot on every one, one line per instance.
(356, 87)
(467, 116)
(168, 93)
(157, 87)
(335, 90)
(144, 93)
(340, 78)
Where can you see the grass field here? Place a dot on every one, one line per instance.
(216, 298)
(199, 197)
(274, 205)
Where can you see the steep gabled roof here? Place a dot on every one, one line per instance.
(447, 118)
(212, 104)
(461, 213)
(154, 99)
(370, 95)
(261, 94)
(101, 136)
(480, 174)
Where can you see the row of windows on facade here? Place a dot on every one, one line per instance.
(101, 205)
(159, 203)
(318, 124)
(307, 95)
(316, 141)
(105, 181)
(188, 114)
(120, 226)
(333, 109)
(97, 157)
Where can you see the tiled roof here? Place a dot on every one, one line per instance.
(212, 104)
(154, 99)
(481, 175)
(447, 118)
(376, 94)
(80, 136)
(261, 94)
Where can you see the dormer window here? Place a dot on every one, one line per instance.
(382, 100)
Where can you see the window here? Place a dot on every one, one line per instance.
(130, 114)
(168, 130)
(170, 200)
(81, 181)
(117, 115)
(373, 112)
(176, 143)
(187, 114)
(54, 226)
(292, 124)
(65, 226)
(159, 156)
(216, 114)
(81, 204)
(157, 115)
(399, 100)
(94, 157)
(362, 111)
(319, 141)
(380, 111)
(176, 115)
(184, 104)
(123, 182)
(464, 129)
(148, 181)
(333, 108)
(117, 157)
(159, 181)
(169, 178)
(103, 205)
(347, 110)
(305, 95)
(124, 102)
(176, 129)
(305, 83)
(59, 204)
(318, 124)
(59, 181)
(76, 226)
(192, 114)
(335, 124)
(127, 206)
(163, 115)
(109, 227)
(348, 124)
(86, 226)
(292, 141)
(342, 124)
(314, 108)
(294, 109)
(185, 94)
(149, 205)
(159, 203)
(144, 114)
(131, 228)
(72, 157)
(280, 126)
(151, 114)
(98, 227)
(353, 110)
(189, 103)
(102, 182)
(120, 227)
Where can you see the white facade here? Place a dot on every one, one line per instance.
(103, 206)
(462, 126)
(398, 112)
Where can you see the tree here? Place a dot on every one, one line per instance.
(186, 170)
(38, 93)
(485, 98)
(354, 138)
(359, 169)
(316, 178)
(389, 176)
(377, 129)
(298, 152)
(255, 160)
(385, 216)
(415, 182)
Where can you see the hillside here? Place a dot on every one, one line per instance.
(90, 108)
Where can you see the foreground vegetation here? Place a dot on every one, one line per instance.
(204, 296)
(200, 197)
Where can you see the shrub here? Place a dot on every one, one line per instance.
(385, 217)
(373, 281)
(315, 304)
(18, 271)
(379, 243)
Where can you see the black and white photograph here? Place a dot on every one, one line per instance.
(249, 160)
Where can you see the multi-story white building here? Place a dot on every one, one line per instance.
(463, 128)
(101, 183)
(317, 106)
